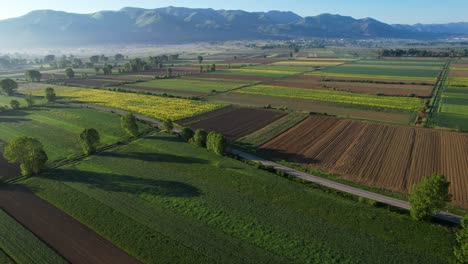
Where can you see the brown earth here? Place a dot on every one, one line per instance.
(71, 239)
(235, 122)
(8, 170)
(463, 74)
(382, 156)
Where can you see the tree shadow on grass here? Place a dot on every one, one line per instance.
(154, 157)
(276, 155)
(125, 183)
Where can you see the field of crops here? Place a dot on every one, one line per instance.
(22, 246)
(271, 131)
(383, 156)
(331, 108)
(403, 103)
(309, 63)
(152, 106)
(452, 110)
(162, 200)
(58, 127)
(195, 85)
(234, 122)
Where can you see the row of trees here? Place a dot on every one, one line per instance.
(422, 53)
(213, 141)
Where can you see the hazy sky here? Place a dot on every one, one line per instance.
(390, 11)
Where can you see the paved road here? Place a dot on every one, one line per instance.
(305, 176)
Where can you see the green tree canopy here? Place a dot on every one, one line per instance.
(8, 86)
(168, 125)
(50, 95)
(33, 75)
(89, 139)
(30, 100)
(70, 73)
(216, 142)
(186, 134)
(129, 124)
(461, 250)
(14, 104)
(27, 151)
(429, 196)
(200, 59)
(199, 139)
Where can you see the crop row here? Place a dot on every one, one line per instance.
(22, 246)
(403, 103)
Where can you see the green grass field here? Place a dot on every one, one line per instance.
(162, 201)
(195, 85)
(58, 127)
(21, 246)
(403, 103)
(5, 101)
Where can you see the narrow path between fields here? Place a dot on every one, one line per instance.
(68, 237)
(456, 219)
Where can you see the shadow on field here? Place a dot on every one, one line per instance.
(164, 138)
(125, 183)
(290, 157)
(156, 157)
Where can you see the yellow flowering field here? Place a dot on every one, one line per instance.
(152, 106)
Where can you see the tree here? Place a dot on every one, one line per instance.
(14, 104)
(70, 73)
(168, 72)
(200, 59)
(129, 124)
(199, 139)
(89, 139)
(118, 57)
(33, 76)
(97, 70)
(429, 196)
(213, 67)
(50, 95)
(461, 250)
(167, 125)
(29, 100)
(27, 151)
(94, 59)
(216, 142)
(49, 58)
(8, 86)
(186, 134)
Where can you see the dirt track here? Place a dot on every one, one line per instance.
(71, 239)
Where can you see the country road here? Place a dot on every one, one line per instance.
(456, 219)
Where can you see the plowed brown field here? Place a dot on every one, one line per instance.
(383, 156)
(234, 122)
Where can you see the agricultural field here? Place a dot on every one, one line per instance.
(308, 63)
(330, 108)
(390, 157)
(152, 106)
(400, 103)
(201, 86)
(21, 246)
(356, 86)
(452, 109)
(418, 69)
(58, 127)
(162, 200)
(271, 131)
(233, 122)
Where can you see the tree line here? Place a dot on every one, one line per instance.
(422, 53)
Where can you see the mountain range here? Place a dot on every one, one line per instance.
(177, 25)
